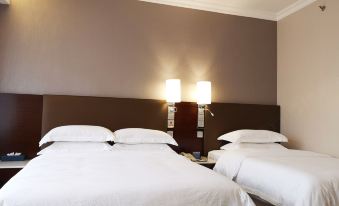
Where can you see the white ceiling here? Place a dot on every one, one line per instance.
(262, 9)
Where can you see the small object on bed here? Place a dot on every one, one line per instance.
(13, 157)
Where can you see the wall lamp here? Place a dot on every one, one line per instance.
(173, 95)
(204, 98)
(204, 95)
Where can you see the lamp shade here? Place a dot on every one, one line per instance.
(204, 92)
(173, 90)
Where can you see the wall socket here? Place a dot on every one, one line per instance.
(200, 134)
(170, 123)
(170, 114)
(201, 117)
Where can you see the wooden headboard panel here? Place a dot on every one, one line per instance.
(25, 118)
(113, 113)
(117, 113)
(229, 117)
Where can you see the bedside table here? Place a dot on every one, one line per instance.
(204, 161)
(9, 169)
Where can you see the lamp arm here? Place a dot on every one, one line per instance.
(206, 108)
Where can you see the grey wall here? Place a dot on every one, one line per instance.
(127, 48)
(308, 78)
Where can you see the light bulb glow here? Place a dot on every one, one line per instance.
(204, 95)
(173, 90)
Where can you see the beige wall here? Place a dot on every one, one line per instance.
(308, 78)
(127, 48)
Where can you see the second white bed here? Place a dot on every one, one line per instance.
(283, 177)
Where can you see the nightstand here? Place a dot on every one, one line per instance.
(9, 169)
(204, 161)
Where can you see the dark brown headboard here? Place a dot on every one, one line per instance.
(113, 113)
(25, 118)
(229, 117)
(117, 113)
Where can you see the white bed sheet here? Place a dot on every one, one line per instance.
(119, 178)
(284, 177)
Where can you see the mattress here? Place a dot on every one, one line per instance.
(119, 178)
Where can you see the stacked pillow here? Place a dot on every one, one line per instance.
(78, 133)
(253, 139)
(143, 136)
(83, 138)
(142, 139)
(78, 139)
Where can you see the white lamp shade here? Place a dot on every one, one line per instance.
(173, 90)
(204, 95)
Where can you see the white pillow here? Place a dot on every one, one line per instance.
(253, 136)
(78, 133)
(76, 147)
(143, 136)
(267, 146)
(142, 147)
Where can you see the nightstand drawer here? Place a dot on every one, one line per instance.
(7, 174)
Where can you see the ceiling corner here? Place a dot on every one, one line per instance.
(300, 4)
(218, 8)
(5, 1)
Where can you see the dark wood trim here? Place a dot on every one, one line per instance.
(7, 174)
(185, 129)
(20, 123)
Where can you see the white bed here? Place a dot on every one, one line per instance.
(119, 178)
(283, 177)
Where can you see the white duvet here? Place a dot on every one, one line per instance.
(284, 177)
(119, 178)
